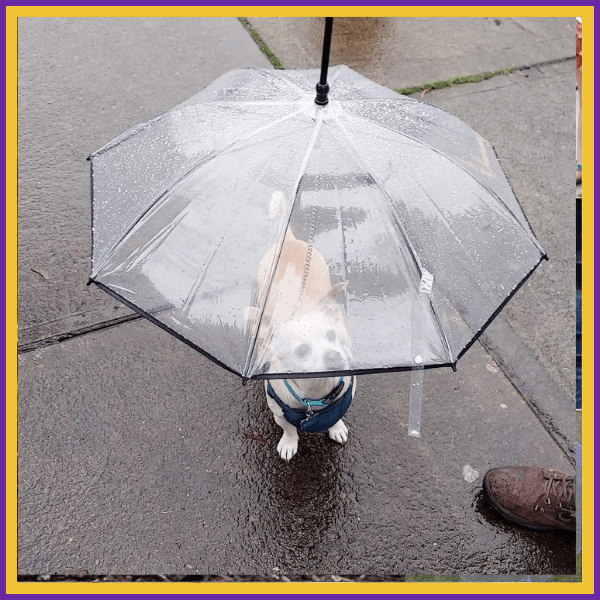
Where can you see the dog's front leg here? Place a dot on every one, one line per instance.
(288, 444)
(338, 432)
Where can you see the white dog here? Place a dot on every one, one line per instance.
(302, 330)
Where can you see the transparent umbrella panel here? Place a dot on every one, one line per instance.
(196, 212)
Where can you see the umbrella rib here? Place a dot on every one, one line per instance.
(144, 124)
(171, 186)
(459, 241)
(402, 232)
(199, 279)
(311, 144)
(147, 248)
(345, 261)
(129, 133)
(385, 194)
(200, 276)
(459, 166)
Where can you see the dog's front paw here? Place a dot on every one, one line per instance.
(288, 446)
(339, 432)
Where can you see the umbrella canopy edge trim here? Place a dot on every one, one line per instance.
(537, 243)
(452, 365)
(348, 372)
(164, 327)
(258, 377)
(370, 371)
(129, 133)
(501, 307)
(92, 236)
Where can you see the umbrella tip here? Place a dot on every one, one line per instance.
(322, 87)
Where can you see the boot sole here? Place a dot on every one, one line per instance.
(507, 514)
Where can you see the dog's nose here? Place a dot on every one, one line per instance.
(333, 359)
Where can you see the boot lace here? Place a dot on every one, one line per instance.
(563, 489)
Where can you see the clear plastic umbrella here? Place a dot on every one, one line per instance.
(403, 205)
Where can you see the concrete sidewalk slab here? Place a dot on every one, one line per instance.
(406, 52)
(137, 455)
(83, 81)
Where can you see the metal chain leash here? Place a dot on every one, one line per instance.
(311, 235)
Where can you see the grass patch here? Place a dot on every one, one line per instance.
(260, 43)
(439, 85)
(449, 578)
(431, 578)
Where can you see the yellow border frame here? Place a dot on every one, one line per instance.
(585, 587)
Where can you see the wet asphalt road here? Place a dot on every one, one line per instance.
(136, 455)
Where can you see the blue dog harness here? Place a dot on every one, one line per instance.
(307, 420)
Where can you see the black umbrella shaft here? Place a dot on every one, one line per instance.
(322, 86)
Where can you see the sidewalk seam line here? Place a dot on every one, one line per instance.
(69, 335)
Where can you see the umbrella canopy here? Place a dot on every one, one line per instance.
(404, 206)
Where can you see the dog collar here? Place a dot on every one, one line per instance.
(309, 403)
(306, 419)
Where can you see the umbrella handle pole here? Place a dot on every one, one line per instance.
(415, 402)
(322, 86)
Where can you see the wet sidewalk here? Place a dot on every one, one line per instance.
(137, 455)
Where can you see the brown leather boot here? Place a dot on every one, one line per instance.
(534, 497)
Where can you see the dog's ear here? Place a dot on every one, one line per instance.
(329, 303)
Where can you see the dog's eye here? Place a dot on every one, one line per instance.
(331, 335)
(302, 350)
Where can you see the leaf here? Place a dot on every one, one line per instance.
(41, 272)
(255, 437)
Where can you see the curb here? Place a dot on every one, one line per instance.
(545, 398)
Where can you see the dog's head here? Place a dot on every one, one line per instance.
(310, 342)
(314, 341)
